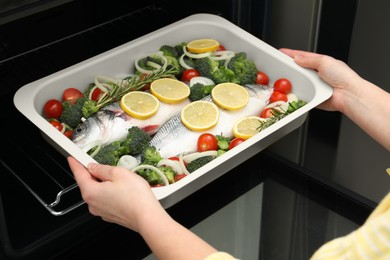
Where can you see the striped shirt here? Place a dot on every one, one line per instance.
(370, 241)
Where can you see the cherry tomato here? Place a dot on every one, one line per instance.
(207, 142)
(278, 96)
(56, 124)
(174, 158)
(266, 113)
(189, 74)
(236, 141)
(52, 108)
(221, 48)
(283, 85)
(68, 133)
(71, 95)
(262, 78)
(178, 177)
(96, 94)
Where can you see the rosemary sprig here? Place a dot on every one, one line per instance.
(118, 89)
(278, 113)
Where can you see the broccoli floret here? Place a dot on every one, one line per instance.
(223, 142)
(179, 48)
(169, 51)
(109, 154)
(89, 108)
(152, 177)
(150, 155)
(213, 70)
(245, 70)
(136, 141)
(72, 114)
(169, 173)
(197, 163)
(199, 91)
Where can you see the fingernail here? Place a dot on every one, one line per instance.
(91, 165)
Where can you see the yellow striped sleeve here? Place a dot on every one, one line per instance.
(370, 241)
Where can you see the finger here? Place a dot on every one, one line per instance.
(82, 176)
(101, 171)
(298, 53)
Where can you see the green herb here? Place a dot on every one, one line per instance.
(279, 113)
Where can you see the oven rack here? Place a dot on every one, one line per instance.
(41, 169)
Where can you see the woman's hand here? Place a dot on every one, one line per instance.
(115, 193)
(334, 72)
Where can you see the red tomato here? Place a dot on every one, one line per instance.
(56, 124)
(52, 108)
(189, 74)
(283, 85)
(266, 113)
(236, 141)
(207, 142)
(71, 95)
(174, 158)
(178, 177)
(278, 96)
(96, 94)
(68, 133)
(262, 78)
(221, 48)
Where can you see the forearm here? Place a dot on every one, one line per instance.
(369, 108)
(170, 240)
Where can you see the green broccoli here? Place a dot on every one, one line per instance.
(169, 51)
(150, 155)
(89, 108)
(199, 91)
(169, 173)
(152, 177)
(72, 114)
(213, 70)
(223, 142)
(245, 70)
(197, 163)
(179, 48)
(136, 141)
(109, 154)
(294, 105)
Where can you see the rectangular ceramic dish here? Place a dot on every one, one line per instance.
(30, 99)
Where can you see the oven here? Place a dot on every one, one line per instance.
(277, 209)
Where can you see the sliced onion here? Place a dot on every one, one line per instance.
(63, 128)
(183, 63)
(175, 165)
(128, 161)
(193, 156)
(283, 106)
(153, 65)
(146, 71)
(202, 80)
(102, 82)
(196, 56)
(153, 168)
(292, 97)
(97, 150)
(222, 55)
(183, 166)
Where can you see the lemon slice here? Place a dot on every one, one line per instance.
(230, 96)
(200, 115)
(169, 90)
(247, 127)
(202, 45)
(139, 104)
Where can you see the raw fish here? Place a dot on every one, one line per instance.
(174, 138)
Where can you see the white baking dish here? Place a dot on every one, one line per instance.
(30, 99)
